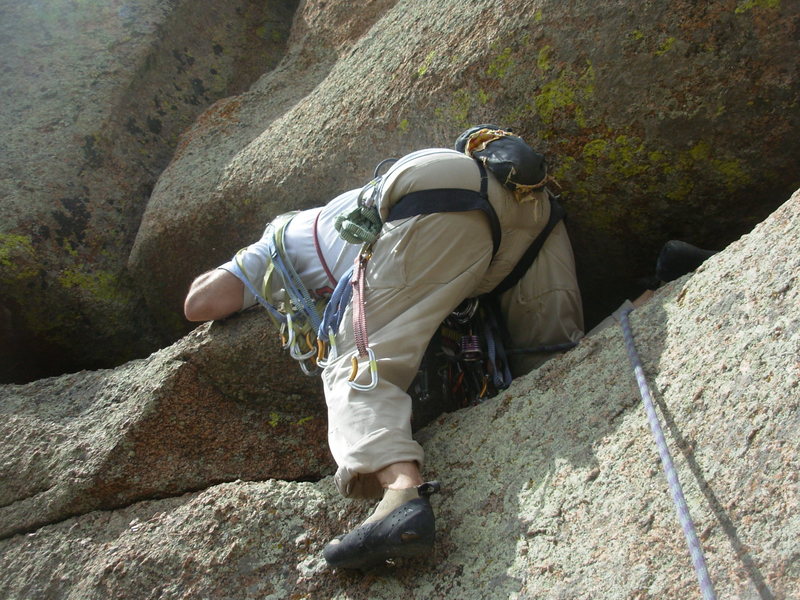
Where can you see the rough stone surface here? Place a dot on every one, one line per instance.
(224, 403)
(551, 490)
(93, 97)
(662, 120)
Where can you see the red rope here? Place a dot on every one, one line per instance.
(331, 278)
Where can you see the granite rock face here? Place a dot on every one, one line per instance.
(93, 98)
(661, 120)
(551, 490)
(224, 403)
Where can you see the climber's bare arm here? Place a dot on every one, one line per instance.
(213, 295)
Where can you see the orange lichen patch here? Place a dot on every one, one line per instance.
(220, 116)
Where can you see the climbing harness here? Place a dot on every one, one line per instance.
(696, 551)
(298, 318)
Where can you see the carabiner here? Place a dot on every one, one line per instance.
(294, 352)
(305, 370)
(322, 361)
(373, 369)
(287, 326)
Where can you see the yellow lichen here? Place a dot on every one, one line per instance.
(543, 58)
(17, 257)
(666, 46)
(501, 65)
(748, 5)
(426, 63)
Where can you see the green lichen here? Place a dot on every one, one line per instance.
(101, 285)
(304, 420)
(543, 58)
(554, 95)
(17, 257)
(403, 126)
(569, 91)
(748, 5)
(636, 35)
(274, 419)
(458, 111)
(537, 16)
(623, 160)
(730, 171)
(501, 65)
(666, 46)
(423, 68)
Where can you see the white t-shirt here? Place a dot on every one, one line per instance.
(298, 239)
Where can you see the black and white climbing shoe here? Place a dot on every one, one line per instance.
(407, 531)
(678, 258)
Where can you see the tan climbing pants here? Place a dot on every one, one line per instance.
(421, 269)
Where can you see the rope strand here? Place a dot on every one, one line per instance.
(696, 551)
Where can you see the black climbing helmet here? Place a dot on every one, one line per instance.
(513, 162)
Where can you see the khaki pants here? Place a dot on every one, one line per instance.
(421, 269)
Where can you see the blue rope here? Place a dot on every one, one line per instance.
(293, 284)
(334, 311)
(237, 270)
(698, 560)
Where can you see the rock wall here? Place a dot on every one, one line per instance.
(224, 403)
(551, 490)
(661, 120)
(93, 98)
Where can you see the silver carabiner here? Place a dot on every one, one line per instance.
(294, 352)
(288, 326)
(305, 370)
(373, 370)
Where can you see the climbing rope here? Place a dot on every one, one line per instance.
(698, 560)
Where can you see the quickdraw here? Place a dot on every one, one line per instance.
(360, 324)
(298, 319)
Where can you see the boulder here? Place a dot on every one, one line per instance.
(660, 120)
(552, 489)
(224, 403)
(93, 98)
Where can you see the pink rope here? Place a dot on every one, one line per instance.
(359, 309)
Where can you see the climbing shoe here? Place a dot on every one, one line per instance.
(402, 525)
(678, 258)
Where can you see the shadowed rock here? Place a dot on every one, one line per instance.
(93, 98)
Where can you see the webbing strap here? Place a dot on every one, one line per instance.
(426, 202)
(557, 213)
(320, 256)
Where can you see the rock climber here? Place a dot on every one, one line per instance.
(408, 278)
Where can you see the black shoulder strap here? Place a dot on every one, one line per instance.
(557, 213)
(426, 202)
